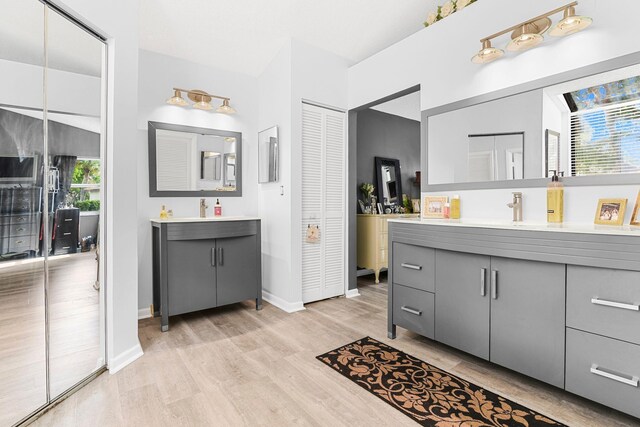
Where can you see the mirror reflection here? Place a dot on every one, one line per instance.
(186, 161)
(584, 127)
(268, 155)
(389, 182)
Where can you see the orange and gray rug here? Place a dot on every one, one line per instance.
(430, 396)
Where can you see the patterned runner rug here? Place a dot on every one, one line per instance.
(430, 396)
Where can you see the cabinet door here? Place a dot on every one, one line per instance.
(462, 301)
(237, 272)
(191, 275)
(528, 318)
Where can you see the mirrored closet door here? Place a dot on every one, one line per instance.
(51, 186)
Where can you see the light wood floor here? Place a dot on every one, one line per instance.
(237, 366)
(74, 319)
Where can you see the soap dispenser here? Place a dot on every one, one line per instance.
(555, 200)
(217, 208)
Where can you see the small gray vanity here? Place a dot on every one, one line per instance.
(201, 263)
(557, 304)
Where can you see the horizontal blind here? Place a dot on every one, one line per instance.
(606, 140)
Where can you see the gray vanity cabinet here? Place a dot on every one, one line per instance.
(237, 268)
(528, 318)
(204, 264)
(508, 311)
(197, 289)
(462, 303)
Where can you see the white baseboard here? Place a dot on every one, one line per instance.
(144, 313)
(289, 307)
(352, 293)
(125, 358)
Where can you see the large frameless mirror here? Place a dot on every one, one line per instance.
(186, 161)
(51, 293)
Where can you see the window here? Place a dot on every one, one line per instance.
(605, 128)
(85, 185)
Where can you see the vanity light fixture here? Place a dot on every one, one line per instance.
(528, 34)
(487, 54)
(201, 100)
(570, 23)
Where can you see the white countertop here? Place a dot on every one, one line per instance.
(208, 219)
(623, 230)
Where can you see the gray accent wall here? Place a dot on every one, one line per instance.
(385, 135)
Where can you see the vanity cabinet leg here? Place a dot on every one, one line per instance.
(391, 334)
(377, 273)
(259, 303)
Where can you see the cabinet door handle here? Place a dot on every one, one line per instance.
(68, 219)
(220, 258)
(494, 284)
(483, 280)
(411, 266)
(598, 301)
(213, 257)
(411, 310)
(633, 381)
(66, 234)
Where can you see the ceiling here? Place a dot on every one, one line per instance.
(407, 106)
(245, 35)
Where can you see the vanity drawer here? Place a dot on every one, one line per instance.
(414, 266)
(604, 301)
(17, 230)
(19, 244)
(604, 370)
(22, 219)
(414, 310)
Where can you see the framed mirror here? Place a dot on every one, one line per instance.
(268, 155)
(584, 123)
(186, 161)
(389, 188)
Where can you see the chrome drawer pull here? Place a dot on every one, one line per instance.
(19, 242)
(20, 229)
(67, 234)
(411, 310)
(68, 219)
(66, 247)
(598, 301)
(483, 285)
(411, 266)
(595, 369)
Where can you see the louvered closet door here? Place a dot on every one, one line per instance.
(323, 204)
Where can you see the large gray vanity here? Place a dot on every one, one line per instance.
(202, 263)
(557, 304)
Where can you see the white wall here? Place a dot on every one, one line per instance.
(158, 75)
(438, 58)
(118, 20)
(274, 205)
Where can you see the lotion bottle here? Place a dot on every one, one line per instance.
(455, 207)
(555, 200)
(217, 208)
(163, 213)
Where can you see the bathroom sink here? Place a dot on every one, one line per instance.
(208, 219)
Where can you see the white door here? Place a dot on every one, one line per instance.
(323, 202)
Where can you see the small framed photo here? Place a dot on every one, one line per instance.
(610, 211)
(433, 206)
(415, 203)
(380, 211)
(635, 215)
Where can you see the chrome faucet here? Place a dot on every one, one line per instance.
(203, 208)
(516, 205)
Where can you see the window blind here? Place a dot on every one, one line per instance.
(606, 140)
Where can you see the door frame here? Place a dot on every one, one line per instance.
(352, 181)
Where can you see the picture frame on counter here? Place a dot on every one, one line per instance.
(433, 206)
(610, 211)
(635, 215)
